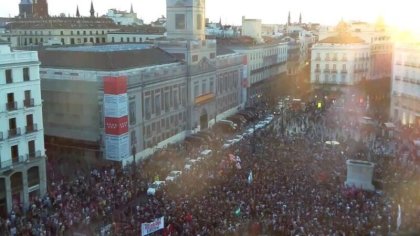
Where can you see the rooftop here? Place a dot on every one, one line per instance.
(246, 42)
(221, 50)
(103, 48)
(342, 38)
(105, 57)
(142, 29)
(62, 23)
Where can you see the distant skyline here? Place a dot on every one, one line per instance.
(399, 13)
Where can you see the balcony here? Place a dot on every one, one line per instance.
(344, 59)
(318, 59)
(11, 106)
(31, 128)
(14, 132)
(5, 164)
(33, 155)
(28, 102)
(334, 59)
(326, 70)
(317, 70)
(344, 72)
(334, 71)
(19, 159)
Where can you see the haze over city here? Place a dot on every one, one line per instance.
(396, 13)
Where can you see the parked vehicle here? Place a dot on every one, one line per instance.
(173, 175)
(154, 187)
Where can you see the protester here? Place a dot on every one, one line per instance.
(297, 187)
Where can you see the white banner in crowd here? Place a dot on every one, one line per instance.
(148, 228)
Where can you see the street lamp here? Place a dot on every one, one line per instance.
(133, 152)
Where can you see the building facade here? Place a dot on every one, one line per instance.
(340, 60)
(123, 17)
(378, 36)
(136, 34)
(252, 28)
(61, 31)
(265, 62)
(405, 96)
(22, 153)
(33, 9)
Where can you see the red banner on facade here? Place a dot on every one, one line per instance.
(115, 85)
(116, 126)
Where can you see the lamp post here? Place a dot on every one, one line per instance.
(133, 152)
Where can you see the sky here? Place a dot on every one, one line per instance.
(400, 13)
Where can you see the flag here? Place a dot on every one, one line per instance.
(238, 211)
(399, 218)
(250, 178)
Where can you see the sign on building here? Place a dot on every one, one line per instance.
(117, 145)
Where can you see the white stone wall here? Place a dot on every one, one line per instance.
(405, 99)
(16, 61)
(351, 61)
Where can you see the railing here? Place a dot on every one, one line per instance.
(344, 59)
(34, 155)
(5, 164)
(318, 59)
(334, 71)
(344, 72)
(326, 70)
(28, 102)
(14, 132)
(317, 70)
(19, 159)
(1, 136)
(31, 128)
(11, 106)
(334, 59)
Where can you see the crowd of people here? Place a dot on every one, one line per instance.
(283, 180)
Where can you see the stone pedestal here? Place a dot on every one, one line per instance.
(360, 174)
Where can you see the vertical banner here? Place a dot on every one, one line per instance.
(245, 83)
(116, 118)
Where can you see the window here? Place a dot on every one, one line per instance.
(204, 87)
(132, 110)
(84, 32)
(211, 85)
(31, 149)
(196, 92)
(28, 102)
(113, 40)
(148, 108)
(167, 105)
(157, 104)
(183, 96)
(14, 151)
(176, 100)
(195, 58)
(9, 77)
(212, 55)
(133, 138)
(180, 21)
(199, 22)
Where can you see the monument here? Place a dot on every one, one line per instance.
(360, 174)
